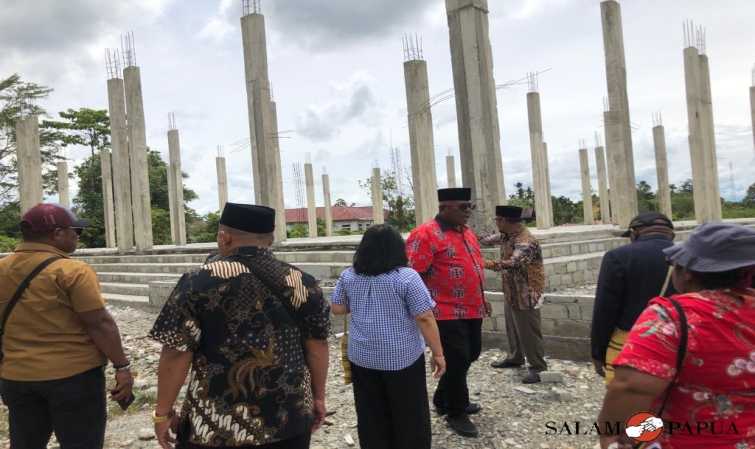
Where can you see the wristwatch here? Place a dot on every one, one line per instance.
(124, 367)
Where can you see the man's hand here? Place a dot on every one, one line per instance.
(438, 364)
(124, 382)
(488, 309)
(319, 412)
(599, 367)
(164, 429)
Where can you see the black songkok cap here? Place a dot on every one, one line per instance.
(514, 212)
(248, 218)
(455, 194)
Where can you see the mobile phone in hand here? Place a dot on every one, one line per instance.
(125, 403)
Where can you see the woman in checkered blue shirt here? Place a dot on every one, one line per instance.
(391, 311)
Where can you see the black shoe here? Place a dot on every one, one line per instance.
(506, 363)
(462, 426)
(472, 409)
(532, 377)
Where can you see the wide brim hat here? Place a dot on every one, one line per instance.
(715, 248)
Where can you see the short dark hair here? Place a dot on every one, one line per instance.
(720, 280)
(381, 250)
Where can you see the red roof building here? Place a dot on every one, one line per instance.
(351, 218)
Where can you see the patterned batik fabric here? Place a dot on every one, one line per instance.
(450, 262)
(521, 267)
(716, 385)
(245, 318)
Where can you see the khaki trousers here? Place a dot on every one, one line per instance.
(525, 337)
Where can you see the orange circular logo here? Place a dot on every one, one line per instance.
(644, 427)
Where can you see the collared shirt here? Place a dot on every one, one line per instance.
(521, 267)
(245, 317)
(44, 337)
(383, 333)
(629, 277)
(450, 262)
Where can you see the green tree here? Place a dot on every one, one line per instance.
(18, 98)
(524, 197)
(682, 201)
(83, 127)
(202, 229)
(749, 199)
(340, 202)
(401, 212)
(566, 211)
(646, 199)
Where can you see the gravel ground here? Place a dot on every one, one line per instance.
(513, 415)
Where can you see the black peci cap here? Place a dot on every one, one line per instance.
(509, 212)
(248, 218)
(455, 194)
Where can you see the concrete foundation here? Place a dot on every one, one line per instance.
(108, 206)
(309, 179)
(421, 143)
(618, 105)
(178, 216)
(706, 192)
(378, 216)
(222, 182)
(124, 220)
(543, 204)
(64, 196)
(661, 169)
(328, 205)
(605, 208)
(584, 166)
(29, 162)
(140, 196)
(476, 108)
(450, 172)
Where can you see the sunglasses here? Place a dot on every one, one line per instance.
(78, 231)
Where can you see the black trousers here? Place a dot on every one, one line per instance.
(392, 408)
(462, 343)
(74, 408)
(300, 442)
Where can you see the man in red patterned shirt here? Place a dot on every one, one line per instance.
(446, 253)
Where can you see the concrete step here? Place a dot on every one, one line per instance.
(563, 249)
(127, 300)
(295, 257)
(154, 268)
(197, 258)
(125, 288)
(136, 278)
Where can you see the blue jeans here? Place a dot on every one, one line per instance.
(74, 408)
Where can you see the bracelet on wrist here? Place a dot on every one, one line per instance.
(158, 419)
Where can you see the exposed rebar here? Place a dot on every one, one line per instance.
(171, 120)
(113, 63)
(533, 81)
(251, 7)
(412, 47)
(128, 49)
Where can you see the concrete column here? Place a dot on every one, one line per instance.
(171, 203)
(263, 126)
(548, 183)
(620, 197)
(106, 169)
(476, 108)
(618, 105)
(309, 179)
(752, 113)
(140, 198)
(29, 162)
(701, 139)
(584, 166)
(661, 168)
(421, 142)
(275, 178)
(543, 212)
(450, 172)
(124, 220)
(605, 208)
(328, 205)
(223, 183)
(64, 196)
(713, 190)
(178, 219)
(378, 216)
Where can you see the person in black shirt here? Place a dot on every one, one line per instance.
(254, 332)
(630, 276)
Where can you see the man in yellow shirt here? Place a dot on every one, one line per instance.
(56, 338)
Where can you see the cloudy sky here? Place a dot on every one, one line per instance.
(336, 68)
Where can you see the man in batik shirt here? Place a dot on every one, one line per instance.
(446, 253)
(254, 332)
(523, 278)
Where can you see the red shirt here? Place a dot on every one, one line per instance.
(716, 385)
(451, 264)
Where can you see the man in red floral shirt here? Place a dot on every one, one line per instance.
(447, 255)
